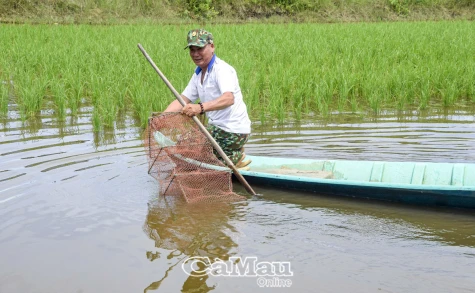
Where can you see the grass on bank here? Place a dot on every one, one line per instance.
(227, 11)
(284, 69)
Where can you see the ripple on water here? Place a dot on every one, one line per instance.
(68, 195)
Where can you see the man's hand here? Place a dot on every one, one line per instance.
(191, 110)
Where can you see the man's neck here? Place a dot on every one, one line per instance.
(205, 68)
(203, 73)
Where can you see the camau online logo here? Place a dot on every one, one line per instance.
(268, 274)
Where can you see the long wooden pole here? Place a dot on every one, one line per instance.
(200, 125)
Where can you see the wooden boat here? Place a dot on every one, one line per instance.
(421, 183)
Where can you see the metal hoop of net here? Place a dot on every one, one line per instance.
(181, 158)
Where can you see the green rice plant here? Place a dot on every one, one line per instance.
(60, 98)
(141, 103)
(30, 92)
(374, 99)
(470, 93)
(283, 69)
(96, 120)
(354, 96)
(449, 94)
(424, 96)
(4, 96)
(323, 95)
(75, 91)
(323, 109)
(281, 112)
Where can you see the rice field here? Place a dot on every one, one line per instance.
(284, 69)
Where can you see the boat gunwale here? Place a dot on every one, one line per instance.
(354, 182)
(264, 174)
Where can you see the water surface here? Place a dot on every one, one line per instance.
(79, 213)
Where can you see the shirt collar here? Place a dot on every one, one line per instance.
(210, 65)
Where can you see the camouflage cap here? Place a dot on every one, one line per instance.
(199, 38)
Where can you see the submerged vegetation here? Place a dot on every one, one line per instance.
(283, 68)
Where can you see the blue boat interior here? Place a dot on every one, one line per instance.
(413, 173)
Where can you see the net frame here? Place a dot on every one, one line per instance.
(181, 159)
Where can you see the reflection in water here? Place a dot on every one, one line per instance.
(65, 189)
(106, 137)
(452, 227)
(32, 125)
(190, 230)
(435, 136)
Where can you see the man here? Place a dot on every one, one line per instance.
(215, 84)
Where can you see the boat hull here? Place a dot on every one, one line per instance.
(414, 194)
(446, 198)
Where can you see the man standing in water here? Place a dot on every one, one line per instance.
(215, 84)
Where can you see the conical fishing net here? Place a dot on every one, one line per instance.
(181, 158)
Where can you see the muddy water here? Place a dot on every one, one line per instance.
(78, 213)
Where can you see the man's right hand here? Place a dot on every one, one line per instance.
(191, 110)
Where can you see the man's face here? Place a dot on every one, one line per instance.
(202, 55)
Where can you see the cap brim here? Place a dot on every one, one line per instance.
(196, 45)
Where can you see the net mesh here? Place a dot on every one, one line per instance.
(181, 158)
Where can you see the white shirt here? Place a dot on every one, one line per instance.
(220, 78)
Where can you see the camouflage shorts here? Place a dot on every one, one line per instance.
(231, 143)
